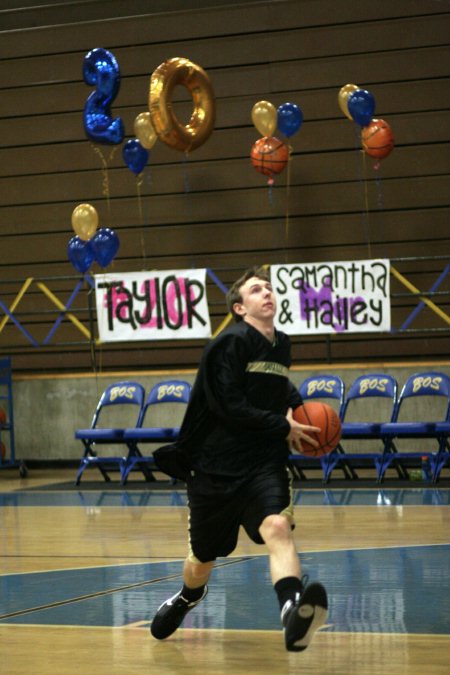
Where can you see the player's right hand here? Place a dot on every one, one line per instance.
(299, 432)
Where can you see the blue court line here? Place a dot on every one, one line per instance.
(389, 590)
(331, 497)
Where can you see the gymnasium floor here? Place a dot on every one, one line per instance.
(83, 572)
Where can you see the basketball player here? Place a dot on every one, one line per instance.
(232, 451)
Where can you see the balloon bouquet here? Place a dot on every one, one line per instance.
(269, 155)
(90, 244)
(358, 105)
(101, 70)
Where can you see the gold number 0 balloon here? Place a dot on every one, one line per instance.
(180, 71)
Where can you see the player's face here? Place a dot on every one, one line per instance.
(258, 300)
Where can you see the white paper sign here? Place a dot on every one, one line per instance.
(152, 306)
(337, 297)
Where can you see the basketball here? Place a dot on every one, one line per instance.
(321, 415)
(377, 139)
(269, 155)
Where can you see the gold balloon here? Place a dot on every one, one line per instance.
(84, 221)
(343, 95)
(264, 117)
(180, 71)
(144, 131)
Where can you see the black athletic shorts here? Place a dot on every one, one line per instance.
(217, 508)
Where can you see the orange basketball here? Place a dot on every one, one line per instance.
(321, 415)
(269, 155)
(377, 139)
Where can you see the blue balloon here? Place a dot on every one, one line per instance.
(135, 155)
(289, 118)
(80, 254)
(105, 244)
(361, 106)
(100, 69)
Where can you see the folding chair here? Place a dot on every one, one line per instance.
(169, 392)
(373, 385)
(419, 388)
(116, 398)
(327, 388)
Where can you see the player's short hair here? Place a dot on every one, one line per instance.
(234, 293)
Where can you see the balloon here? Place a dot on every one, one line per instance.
(164, 79)
(361, 105)
(80, 254)
(377, 139)
(269, 155)
(290, 118)
(135, 156)
(343, 95)
(100, 69)
(105, 245)
(264, 117)
(84, 221)
(144, 131)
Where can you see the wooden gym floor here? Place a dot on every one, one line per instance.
(84, 570)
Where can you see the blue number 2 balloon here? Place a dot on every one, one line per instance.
(100, 69)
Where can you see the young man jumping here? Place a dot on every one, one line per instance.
(232, 451)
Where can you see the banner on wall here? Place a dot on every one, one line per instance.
(152, 306)
(337, 297)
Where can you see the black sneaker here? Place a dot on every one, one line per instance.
(303, 617)
(171, 614)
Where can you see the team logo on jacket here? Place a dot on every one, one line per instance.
(267, 367)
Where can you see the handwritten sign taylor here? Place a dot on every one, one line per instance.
(338, 297)
(152, 306)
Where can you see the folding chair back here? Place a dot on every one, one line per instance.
(121, 394)
(324, 387)
(167, 392)
(379, 385)
(426, 384)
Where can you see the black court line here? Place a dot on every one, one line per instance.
(111, 591)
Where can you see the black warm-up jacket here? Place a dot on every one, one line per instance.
(236, 417)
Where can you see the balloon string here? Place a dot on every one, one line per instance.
(270, 183)
(288, 194)
(139, 181)
(105, 176)
(366, 203)
(380, 201)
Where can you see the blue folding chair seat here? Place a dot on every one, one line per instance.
(120, 395)
(426, 384)
(373, 385)
(326, 388)
(170, 392)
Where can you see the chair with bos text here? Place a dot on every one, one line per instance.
(425, 398)
(362, 417)
(327, 389)
(161, 420)
(123, 403)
